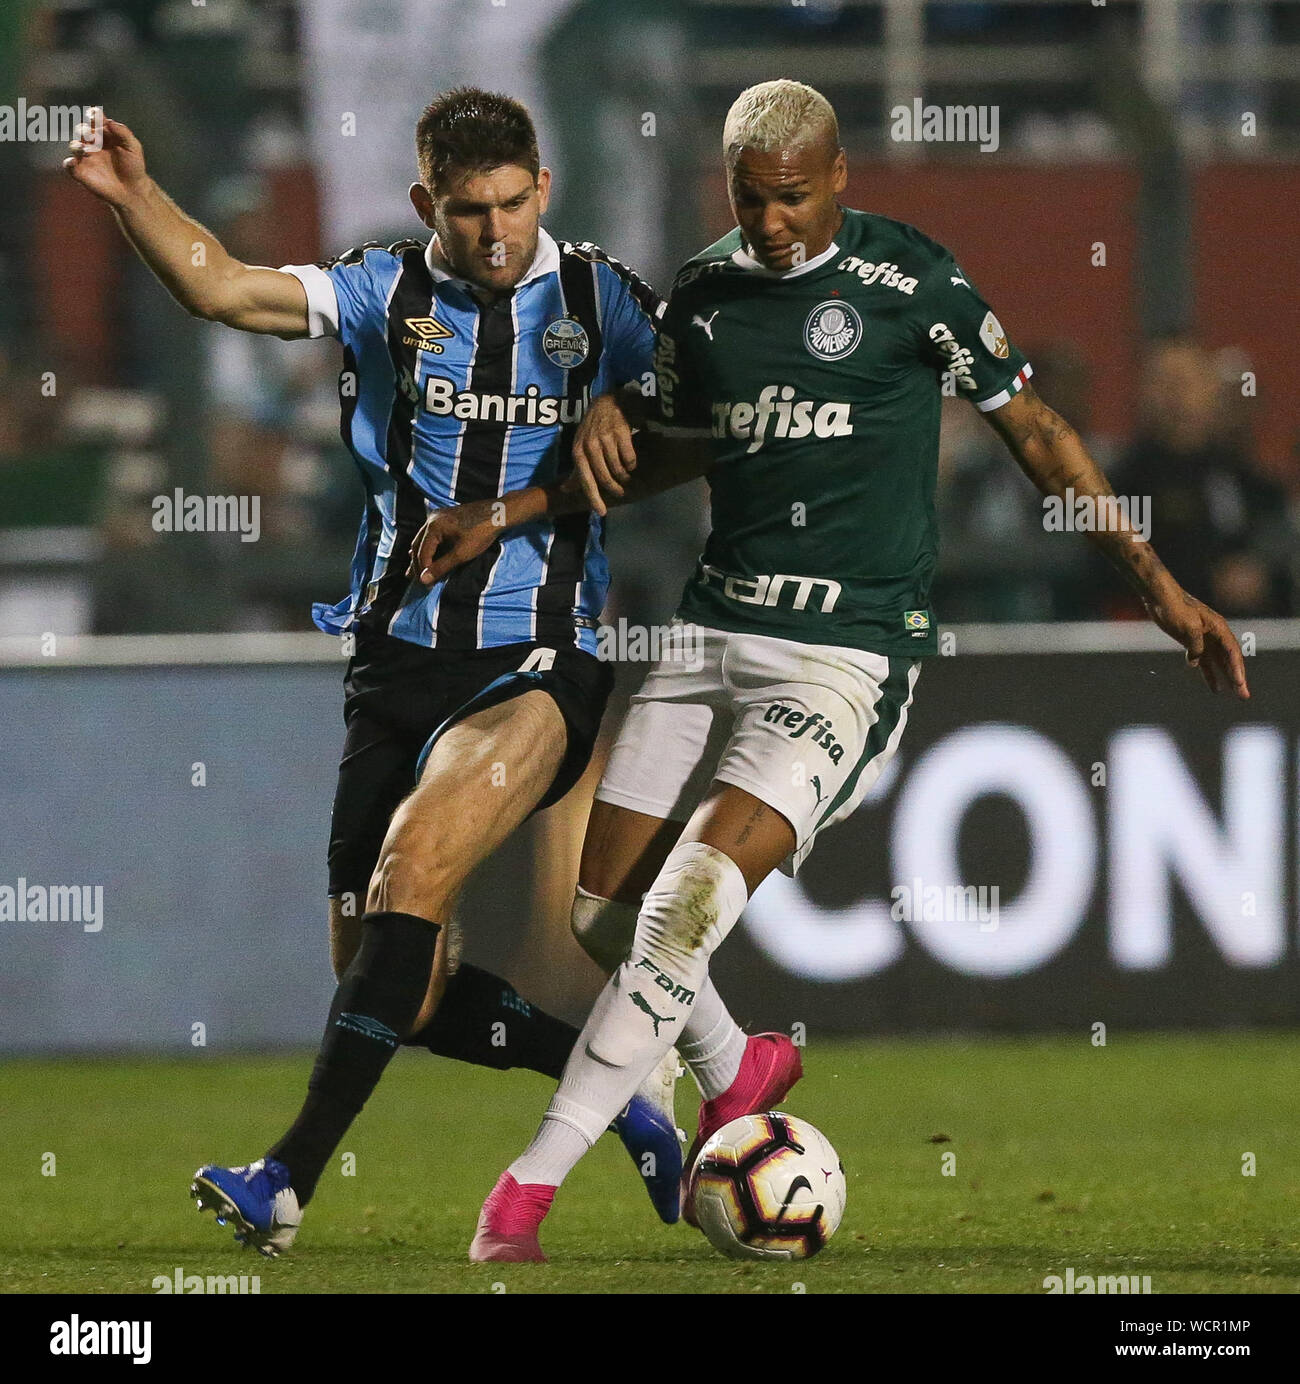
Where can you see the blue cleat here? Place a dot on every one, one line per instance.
(257, 1198)
(649, 1133)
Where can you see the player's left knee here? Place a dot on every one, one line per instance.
(604, 928)
(413, 880)
(693, 904)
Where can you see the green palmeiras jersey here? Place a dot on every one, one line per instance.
(820, 389)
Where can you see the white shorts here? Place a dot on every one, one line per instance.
(805, 728)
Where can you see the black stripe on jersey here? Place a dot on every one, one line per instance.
(566, 559)
(646, 298)
(412, 296)
(478, 473)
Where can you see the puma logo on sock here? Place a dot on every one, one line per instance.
(642, 1003)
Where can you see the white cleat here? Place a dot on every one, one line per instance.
(660, 1089)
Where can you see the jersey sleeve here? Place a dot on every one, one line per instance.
(960, 335)
(630, 311)
(680, 407)
(342, 295)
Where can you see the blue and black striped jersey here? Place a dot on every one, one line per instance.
(447, 398)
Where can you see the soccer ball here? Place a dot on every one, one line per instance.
(768, 1187)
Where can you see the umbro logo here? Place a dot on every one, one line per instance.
(371, 1028)
(428, 331)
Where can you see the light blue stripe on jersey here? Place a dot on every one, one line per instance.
(364, 286)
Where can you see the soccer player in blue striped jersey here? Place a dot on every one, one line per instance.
(492, 388)
(468, 362)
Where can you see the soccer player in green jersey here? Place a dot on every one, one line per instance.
(799, 364)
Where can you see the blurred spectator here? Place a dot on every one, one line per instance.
(1218, 522)
(996, 560)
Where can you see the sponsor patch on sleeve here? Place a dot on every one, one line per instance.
(994, 338)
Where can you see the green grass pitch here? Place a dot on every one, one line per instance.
(1126, 1159)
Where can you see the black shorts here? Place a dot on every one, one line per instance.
(399, 696)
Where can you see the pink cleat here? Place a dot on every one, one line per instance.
(507, 1225)
(770, 1067)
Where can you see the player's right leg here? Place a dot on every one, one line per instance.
(737, 1073)
(658, 773)
(622, 854)
(399, 696)
(482, 779)
(480, 1017)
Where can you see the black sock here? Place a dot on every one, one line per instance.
(376, 1002)
(484, 1020)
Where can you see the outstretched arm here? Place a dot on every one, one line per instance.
(609, 469)
(193, 266)
(1053, 456)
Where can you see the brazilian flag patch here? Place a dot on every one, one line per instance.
(918, 621)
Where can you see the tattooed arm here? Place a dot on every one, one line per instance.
(1053, 456)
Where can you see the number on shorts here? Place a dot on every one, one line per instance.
(539, 661)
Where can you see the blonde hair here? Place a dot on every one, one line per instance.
(778, 115)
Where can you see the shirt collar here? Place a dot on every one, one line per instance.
(545, 261)
(744, 260)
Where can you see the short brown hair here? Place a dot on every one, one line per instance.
(474, 130)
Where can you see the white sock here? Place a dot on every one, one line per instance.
(635, 1017)
(711, 1043)
(556, 1147)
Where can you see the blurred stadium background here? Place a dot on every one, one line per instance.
(1135, 229)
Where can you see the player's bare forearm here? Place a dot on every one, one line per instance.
(453, 536)
(660, 463)
(204, 278)
(607, 452)
(190, 262)
(170, 243)
(1053, 456)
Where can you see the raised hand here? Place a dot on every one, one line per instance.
(107, 159)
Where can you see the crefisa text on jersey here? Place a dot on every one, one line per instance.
(960, 359)
(794, 418)
(886, 275)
